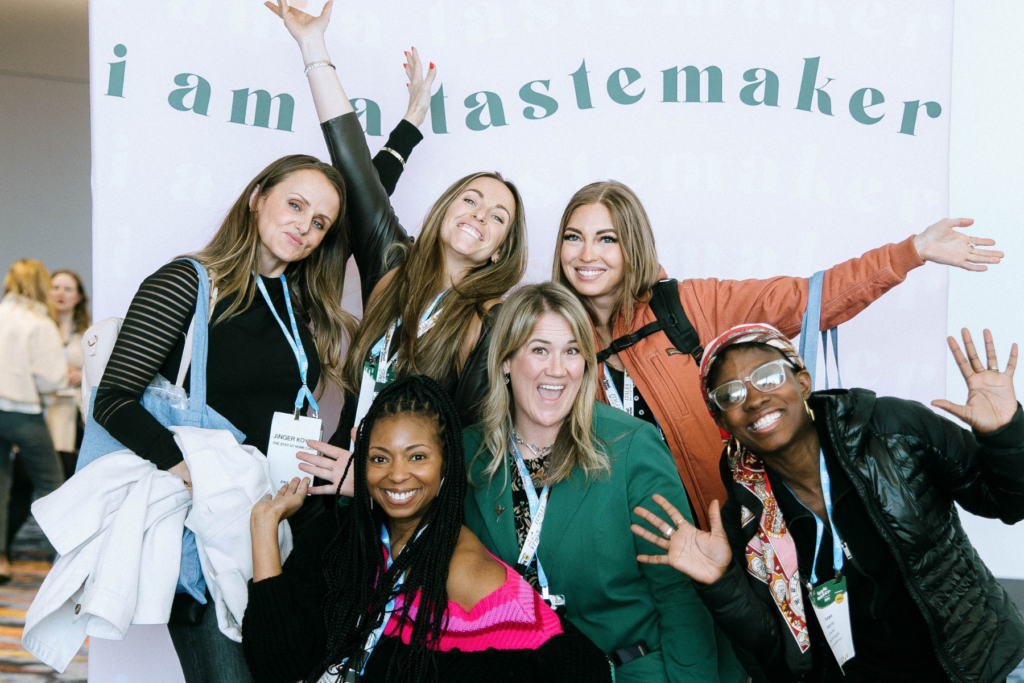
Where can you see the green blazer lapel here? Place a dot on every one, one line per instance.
(564, 502)
(495, 502)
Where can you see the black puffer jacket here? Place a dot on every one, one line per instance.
(908, 466)
(373, 226)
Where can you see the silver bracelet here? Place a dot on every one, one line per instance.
(313, 65)
(394, 154)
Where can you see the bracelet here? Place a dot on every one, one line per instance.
(394, 154)
(313, 65)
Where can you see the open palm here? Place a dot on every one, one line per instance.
(303, 27)
(703, 556)
(991, 401)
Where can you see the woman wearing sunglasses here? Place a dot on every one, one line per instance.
(839, 554)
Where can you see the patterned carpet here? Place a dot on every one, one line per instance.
(30, 554)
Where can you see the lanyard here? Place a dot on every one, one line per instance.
(538, 506)
(428, 321)
(295, 342)
(613, 393)
(838, 547)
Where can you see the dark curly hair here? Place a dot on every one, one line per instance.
(353, 563)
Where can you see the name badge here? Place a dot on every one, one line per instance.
(288, 436)
(831, 605)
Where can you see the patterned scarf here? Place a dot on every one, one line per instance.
(771, 553)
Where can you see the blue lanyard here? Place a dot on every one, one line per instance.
(535, 503)
(837, 543)
(295, 342)
(380, 351)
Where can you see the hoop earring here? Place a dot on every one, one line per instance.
(807, 409)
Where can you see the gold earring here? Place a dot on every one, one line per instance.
(494, 258)
(807, 409)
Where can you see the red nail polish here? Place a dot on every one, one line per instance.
(406, 66)
(431, 65)
(406, 54)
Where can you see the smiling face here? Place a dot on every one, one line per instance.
(405, 464)
(545, 373)
(294, 216)
(476, 222)
(765, 423)
(590, 253)
(64, 292)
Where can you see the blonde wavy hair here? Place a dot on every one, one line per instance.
(30, 279)
(577, 445)
(315, 282)
(636, 239)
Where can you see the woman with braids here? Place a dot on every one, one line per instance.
(427, 306)
(400, 590)
(555, 478)
(839, 555)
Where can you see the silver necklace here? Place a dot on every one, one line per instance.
(538, 451)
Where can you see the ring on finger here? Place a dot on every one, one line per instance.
(668, 532)
(970, 245)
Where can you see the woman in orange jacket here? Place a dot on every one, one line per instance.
(605, 253)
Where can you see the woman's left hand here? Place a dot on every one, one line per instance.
(419, 88)
(991, 401)
(940, 243)
(330, 465)
(289, 498)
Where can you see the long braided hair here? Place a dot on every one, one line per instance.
(359, 586)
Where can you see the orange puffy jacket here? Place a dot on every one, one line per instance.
(669, 379)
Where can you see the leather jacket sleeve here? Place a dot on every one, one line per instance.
(473, 382)
(372, 223)
(402, 140)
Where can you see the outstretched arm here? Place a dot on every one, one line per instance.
(392, 158)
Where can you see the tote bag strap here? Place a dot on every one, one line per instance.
(197, 341)
(809, 332)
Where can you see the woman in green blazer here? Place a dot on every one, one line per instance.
(589, 466)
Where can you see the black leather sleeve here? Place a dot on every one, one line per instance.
(402, 140)
(473, 382)
(372, 223)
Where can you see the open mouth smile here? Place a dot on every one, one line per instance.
(400, 497)
(590, 274)
(470, 230)
(765, 423)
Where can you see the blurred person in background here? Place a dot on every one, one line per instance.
(64, 415)
(32, 366)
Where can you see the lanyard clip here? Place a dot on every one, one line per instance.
(297, 413)
(552, 600)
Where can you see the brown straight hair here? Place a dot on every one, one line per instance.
(419, 278)
(80, 316)
(315, 282)
(636, 239)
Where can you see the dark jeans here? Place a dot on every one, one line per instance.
(206, 654)
(30, 435)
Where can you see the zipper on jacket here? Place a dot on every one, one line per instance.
(893, 548)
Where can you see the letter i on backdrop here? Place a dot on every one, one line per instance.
(115, 84)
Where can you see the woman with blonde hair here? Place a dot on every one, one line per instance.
(31, 367)
(428, 306)
(554, 479)
(605, 253)
(64, 415)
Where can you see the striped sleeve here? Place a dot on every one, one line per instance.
(157, 318)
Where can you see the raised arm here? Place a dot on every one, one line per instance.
(372, 223)
(391, 159)
(849, 288)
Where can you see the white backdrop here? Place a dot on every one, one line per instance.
(733, 190)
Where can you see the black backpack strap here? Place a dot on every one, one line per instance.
(670, 317)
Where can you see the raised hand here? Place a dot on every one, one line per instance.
(940, 243)
(419, 87)
(991, 400)
(331, 465)
(306, 29)
(701, 555)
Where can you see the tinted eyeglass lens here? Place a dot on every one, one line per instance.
(730, 394)
(768, 377)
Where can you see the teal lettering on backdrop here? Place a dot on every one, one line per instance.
(910, 109)
(858, 105)
(807, 88)
(693, 83)
(748, 95)
(200, 100)
(240, 108)
(370, 113)
(438, 120)
(617, 89)
(530, 96)
(582, 87)
(115, 83)
(495, 112)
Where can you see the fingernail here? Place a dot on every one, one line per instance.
(406, 54)
(405, 66)
(431, 65)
